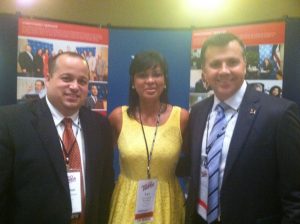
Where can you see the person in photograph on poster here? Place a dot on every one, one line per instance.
(101, 67)
(38, 63)
(45, 57)
(93, 101)
(266, 69)
(275, 91)
(25, 60)
(195, 59)
(258, 86)
(252, 58)
(92, 65)
(244, 146)
(39, 89)
(252, 72)
(201, 85)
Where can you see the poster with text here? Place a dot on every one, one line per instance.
(40, 40)
(264, 48)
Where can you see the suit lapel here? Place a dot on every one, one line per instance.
(199, 124)
(91, 149)
(44, 125)
(248, 112)
(199, 127)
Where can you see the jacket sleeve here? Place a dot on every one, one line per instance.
(288, 151)
(108, 175)
(183, 166)
(6, 169)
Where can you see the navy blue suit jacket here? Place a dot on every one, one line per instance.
(261, 182)
(33, 179)
(26, 62)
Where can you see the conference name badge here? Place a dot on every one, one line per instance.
(145, 200)
(75, 190)
(203, 194)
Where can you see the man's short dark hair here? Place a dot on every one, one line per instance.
(52, 66)
(220, 40)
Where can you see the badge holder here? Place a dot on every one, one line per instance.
(75, 190)
(145, 201)
(202, 202)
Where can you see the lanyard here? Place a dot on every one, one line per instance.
(66, 152)
(149, 155)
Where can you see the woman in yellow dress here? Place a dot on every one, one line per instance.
(148, 133)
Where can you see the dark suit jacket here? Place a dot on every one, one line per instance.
(38, 66)
(33, 180)
(261, 182)
(26, 62)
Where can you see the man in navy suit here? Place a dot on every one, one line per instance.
(34, 176)
(26, 61)
(259, 166)
(92, 101)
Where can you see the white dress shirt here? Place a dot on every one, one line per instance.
(231, 116)
(77, 130)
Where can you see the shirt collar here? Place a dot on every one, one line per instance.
(235, 100)
(58, 117)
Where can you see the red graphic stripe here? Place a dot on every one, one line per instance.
(143, 215)
(202, 204)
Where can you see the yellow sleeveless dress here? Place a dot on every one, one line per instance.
(169, 201)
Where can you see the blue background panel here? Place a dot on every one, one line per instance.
(173, 45)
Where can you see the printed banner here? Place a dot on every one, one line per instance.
(264, 54)
(40, 40)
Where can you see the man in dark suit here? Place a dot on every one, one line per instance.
(92, 102)
(258, 167)
(38, 63)
(26, 61)
(35, 183)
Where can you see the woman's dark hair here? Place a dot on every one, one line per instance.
(275, 87)
(140, 63)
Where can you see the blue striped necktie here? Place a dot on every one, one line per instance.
(214, 151)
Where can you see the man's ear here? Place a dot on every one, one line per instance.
(203, 77)
(245, 69)
(47, 79)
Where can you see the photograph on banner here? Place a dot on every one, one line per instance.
(97, 96)
(40, 40)
(30, 88)
(264, 49)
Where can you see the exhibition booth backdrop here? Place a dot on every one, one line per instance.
(8, 58)
(277, 41)
(291, 81)
(280, 42)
